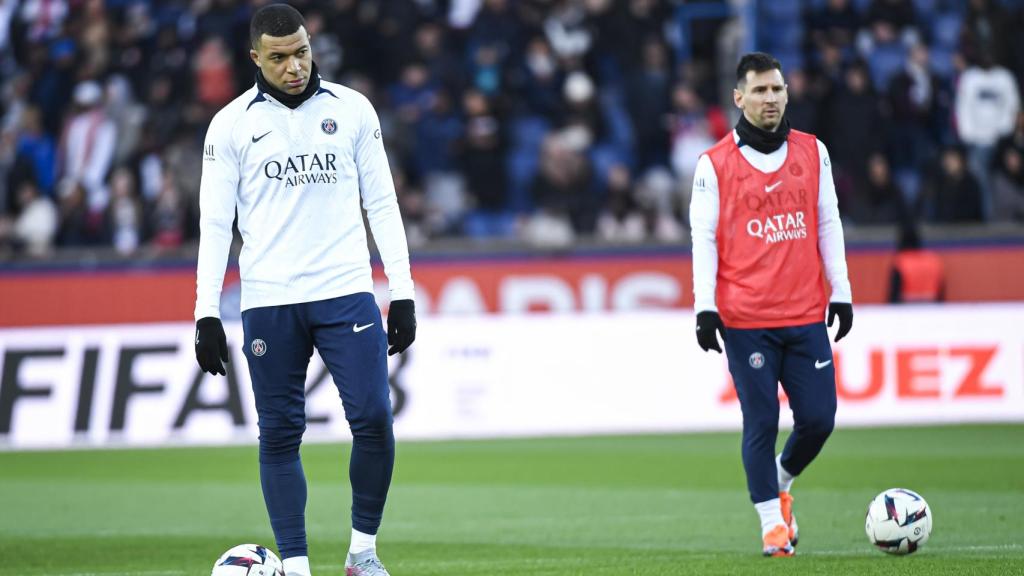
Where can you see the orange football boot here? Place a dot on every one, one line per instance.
(776, 542)
(786, 501)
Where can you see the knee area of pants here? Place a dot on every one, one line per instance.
(377, 421)
(280, 441)
(820, 426)
(761, 425)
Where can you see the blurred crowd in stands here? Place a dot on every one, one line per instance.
(542, 120)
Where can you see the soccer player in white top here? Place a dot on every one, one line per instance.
(299, 159)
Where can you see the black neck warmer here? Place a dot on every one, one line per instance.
(763, 141)
(290, 100)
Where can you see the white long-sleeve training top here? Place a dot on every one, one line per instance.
(299, 180)
(704, 204)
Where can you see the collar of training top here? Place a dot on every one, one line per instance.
(290, 100)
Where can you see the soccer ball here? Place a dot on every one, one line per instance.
(898, 521)
(248, 560)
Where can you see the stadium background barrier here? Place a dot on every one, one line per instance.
(466, 285)
(485, 376)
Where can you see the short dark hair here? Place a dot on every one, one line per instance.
(756, 61)
(274, 20)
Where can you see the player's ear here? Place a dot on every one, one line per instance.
(255, 56)
(737, 97)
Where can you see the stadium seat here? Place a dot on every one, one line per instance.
(942, 61)
(946, 30)
(885, 60)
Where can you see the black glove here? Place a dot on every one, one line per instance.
(845, 312)
(707, 323)
(211, 345)
(401, 326)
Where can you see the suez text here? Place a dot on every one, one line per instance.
(918, 373)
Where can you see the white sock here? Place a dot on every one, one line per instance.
(362, 542)
(785, 478)
(297, 566)
(770, 512)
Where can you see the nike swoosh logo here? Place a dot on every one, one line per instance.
(819, 364)
(358, 328)
(255, 139)
(773, 186)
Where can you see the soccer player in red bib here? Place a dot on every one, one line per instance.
(765, 224)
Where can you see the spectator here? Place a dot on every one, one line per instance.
(952, 194)
(647, 97)
(621, 220)
(214, 79)
(483, 152)
(539, 82)
(914, 100)
(37, 152)
(125, 217)
(415, 216)
(1008, 187)
(170, 60)
(36, 225)
(568, 31)
(853, 130)
(128, 117)
(834, 24)
(881, 201)
(562, 191)
(324, 43)
(695, 127)
(803, 109)
(53, 70)
(987, 103)
(94, 39)
(441, 64)
(495, 23)
(1015, 139)
(917, 273)
(987, 31)
(487, 68)
(163, 114)
(887, 20)
(661, 199)
(167, 215)
(43, 19)
(78, 225)
(87, 145)
(583, 119)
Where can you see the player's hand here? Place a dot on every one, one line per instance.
(708, 325)
(401, 326)
(211, 345)
(844, 311)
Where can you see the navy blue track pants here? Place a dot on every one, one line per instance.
(800, 357)
(349, 335)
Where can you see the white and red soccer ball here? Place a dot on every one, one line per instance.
(248, 560)
(898, 521)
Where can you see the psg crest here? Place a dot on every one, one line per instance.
(756, 360)
(329, 126)
(259, 347)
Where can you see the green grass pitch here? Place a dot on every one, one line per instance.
(650, 505)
